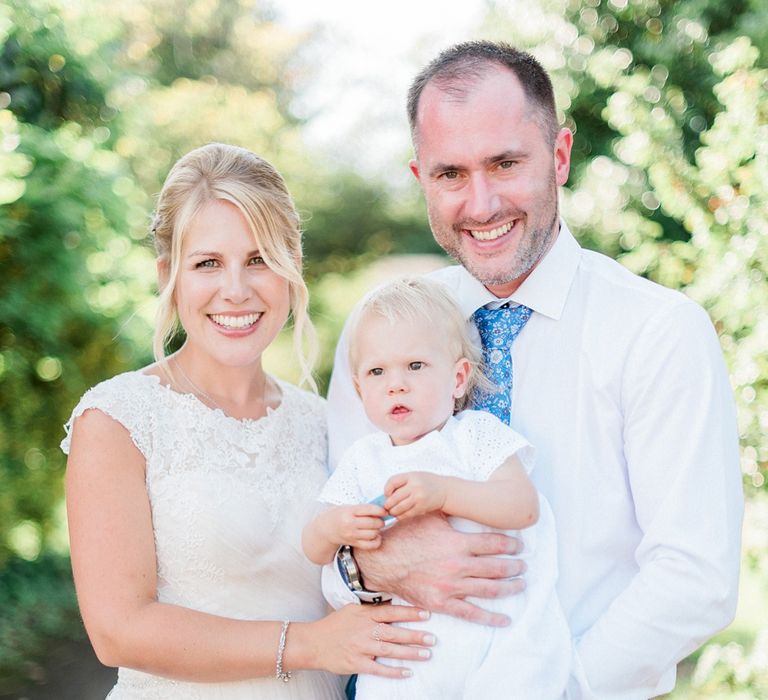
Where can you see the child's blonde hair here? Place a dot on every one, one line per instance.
(232, 174)
(424, 301)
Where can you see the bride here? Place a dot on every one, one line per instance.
(188, 482)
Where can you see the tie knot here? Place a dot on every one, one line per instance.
(499, 327)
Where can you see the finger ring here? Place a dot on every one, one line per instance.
(377, 631)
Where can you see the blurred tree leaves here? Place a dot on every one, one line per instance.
(66, 204)
(98, 99)
(48, 83)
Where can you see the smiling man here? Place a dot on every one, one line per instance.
(491, 198)
(618, 382)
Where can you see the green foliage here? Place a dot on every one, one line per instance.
(351, 222)
(728, 671)
(39, 606)
(670, 172)
(47, 83)
(65, 257)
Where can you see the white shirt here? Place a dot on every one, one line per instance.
(620, 385)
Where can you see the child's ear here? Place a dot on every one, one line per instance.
(357, 385)
(462, 370)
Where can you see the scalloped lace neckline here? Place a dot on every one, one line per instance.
(192, 400)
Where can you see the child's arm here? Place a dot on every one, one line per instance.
(508, 500)
(356, 525)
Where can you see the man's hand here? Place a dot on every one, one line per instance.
(431, 565)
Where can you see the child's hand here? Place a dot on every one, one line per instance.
(358, 525)
(415, 493)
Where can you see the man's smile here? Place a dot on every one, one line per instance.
(493, 234)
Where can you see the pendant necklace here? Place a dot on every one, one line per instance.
(196, 389)
(200, 393)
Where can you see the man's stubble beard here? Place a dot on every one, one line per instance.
(531, 248)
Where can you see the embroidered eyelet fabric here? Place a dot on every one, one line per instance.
(471, 445)
(466, 662)
(229, 499)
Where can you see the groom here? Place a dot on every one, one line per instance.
(618, 382)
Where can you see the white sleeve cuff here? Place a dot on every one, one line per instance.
(334, 589)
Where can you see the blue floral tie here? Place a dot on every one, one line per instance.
(498, 328)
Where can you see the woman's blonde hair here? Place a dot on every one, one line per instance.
(232, 174)
(423, 301)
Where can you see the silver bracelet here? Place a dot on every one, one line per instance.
(280, 674)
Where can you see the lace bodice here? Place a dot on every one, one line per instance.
(229, 499)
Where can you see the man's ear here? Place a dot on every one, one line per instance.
(163, 273)
(562, 153)
(413, 164)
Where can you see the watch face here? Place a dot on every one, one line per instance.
(349, 572)
(342, 567)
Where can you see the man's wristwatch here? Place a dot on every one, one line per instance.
(350, 573)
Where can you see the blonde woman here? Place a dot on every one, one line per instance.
(189, 481)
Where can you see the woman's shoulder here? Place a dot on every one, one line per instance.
(124, 387)
(126, 398)
(300, 421)
(136, 381)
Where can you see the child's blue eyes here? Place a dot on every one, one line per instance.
(414, 366)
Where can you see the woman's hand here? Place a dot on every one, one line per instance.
(350, 640)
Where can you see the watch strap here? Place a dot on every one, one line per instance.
(353, 579)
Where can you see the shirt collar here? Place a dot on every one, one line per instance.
(545, 290)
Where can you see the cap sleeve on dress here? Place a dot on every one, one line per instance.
(126, 398)
(486, 443)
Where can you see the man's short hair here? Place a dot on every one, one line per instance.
(458, 67)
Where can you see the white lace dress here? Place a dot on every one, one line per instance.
(229, 500)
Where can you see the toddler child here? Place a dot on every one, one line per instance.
(414, 366)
